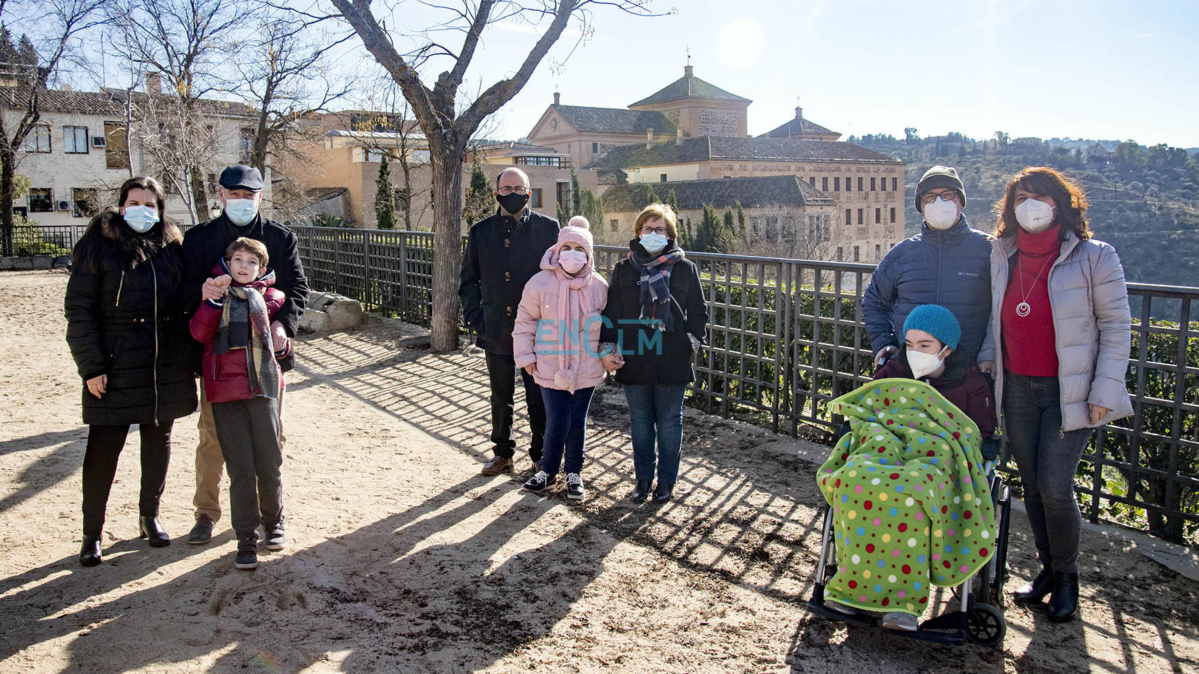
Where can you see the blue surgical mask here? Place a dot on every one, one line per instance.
(241, 211)
(653, 243)
(141, 219)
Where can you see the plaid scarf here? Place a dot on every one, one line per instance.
(246, 325)
(655, 284)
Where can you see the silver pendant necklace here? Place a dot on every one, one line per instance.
(1023, 309)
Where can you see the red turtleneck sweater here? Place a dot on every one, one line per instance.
(1029, 342)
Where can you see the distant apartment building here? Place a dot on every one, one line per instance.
(80, 152)
(352, 144)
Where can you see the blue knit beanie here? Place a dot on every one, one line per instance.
(937, 321)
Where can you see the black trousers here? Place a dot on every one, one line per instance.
(104, 445)
(248, 431)
(501, 373)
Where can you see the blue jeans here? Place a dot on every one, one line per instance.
(1047, 458)
(656, 417)
(565, 427)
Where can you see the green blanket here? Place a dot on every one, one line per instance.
(911, 503)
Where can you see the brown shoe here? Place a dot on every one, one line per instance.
(499, 464)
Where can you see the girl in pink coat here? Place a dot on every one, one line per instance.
(556, 340)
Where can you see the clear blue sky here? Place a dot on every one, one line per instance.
(1084, 69)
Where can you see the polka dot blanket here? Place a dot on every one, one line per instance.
(911, 503)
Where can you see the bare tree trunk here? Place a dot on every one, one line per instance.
(447, 242)
(199, 197)
(8, 174)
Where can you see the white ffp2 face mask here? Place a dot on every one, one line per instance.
(1034, 215)
(924, 364)
(941, 214)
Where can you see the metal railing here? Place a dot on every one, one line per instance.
(785, 337)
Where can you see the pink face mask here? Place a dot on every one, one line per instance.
(572, 260)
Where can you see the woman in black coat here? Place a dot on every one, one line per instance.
(127, 334)
(657, 318)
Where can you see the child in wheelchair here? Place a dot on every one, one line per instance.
(911, 503)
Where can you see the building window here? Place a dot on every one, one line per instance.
(87, 202)
(824, 184)
(212, 183)
(247, 144)
(538, 161)
(892, 214)
(116, 150)
(594, 148)
(872, 187)
(895, 184)
(661, 177)
(857, 257)
(883, 186)
(860, 183)
(861, 217)
(614, 223)
(840, 253)
(41, 200)
(848, 217)
(878, 252)
(38, 139)
(878, 215)
(836, 184)
(848, 184)
(535, 197)
(421, 157)
(812, 181)
(563, 192)
(74, 139)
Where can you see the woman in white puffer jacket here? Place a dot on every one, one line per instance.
(1062, 331)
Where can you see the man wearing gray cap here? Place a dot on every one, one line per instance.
(240, 193)
(947, 263)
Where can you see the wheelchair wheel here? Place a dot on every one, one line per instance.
(985, 625)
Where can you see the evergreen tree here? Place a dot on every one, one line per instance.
(714, 234)
(592, 209)
(385, 205)
(576, 194)
(740, 222)
(480, 198)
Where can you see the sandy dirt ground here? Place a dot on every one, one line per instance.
(403, 558)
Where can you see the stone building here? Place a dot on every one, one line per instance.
(865, 186)
(77, 155)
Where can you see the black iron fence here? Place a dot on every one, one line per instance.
(786, 337)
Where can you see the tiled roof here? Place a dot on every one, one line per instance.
(689, 86)
(614, 120)
(708, 148)
(111, 102)
(798, 127)
(754, 192)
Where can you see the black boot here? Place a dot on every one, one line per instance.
(663, 492)
(149, 528)
(640, 492)
(1038, 589)
(1063, 603)
(89, 553)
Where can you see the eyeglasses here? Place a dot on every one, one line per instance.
(519, 189)
(654, 230)
(949, 195)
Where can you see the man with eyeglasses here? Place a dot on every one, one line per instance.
(503, 252)
(947, 263)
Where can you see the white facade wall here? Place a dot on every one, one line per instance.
(62, 173)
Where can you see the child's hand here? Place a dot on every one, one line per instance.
(221, 281)
(530, 367)
(613, 362)
(211, 291)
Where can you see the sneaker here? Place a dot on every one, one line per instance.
(202, 532)
(247, 555)
(538, 483)
(839, 607)
(275, 538)
(574, 487)
(903, 622)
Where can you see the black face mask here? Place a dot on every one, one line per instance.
(512, 203)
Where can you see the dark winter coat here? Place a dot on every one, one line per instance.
(502, 254)
(951, 268)
(227, 376)
(648, 361)
(204, 244)
(962, 384)
(127, 321)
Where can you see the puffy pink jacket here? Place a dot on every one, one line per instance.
(546, 334)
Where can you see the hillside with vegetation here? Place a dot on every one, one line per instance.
(1144, 200)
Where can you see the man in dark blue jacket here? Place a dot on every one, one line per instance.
(503, 252)
(947, 263)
